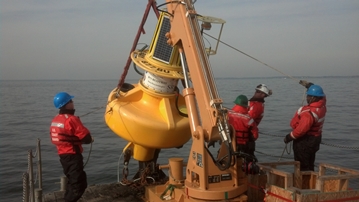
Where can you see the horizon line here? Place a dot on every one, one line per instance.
(259, 77)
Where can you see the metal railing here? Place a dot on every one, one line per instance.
(30, 194)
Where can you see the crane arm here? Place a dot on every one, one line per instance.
(205, 106)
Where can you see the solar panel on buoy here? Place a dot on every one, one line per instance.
(163, 51)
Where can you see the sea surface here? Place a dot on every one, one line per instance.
(27, 109)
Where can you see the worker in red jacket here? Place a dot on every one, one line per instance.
(68, 134)
(256, 103)
(246, 130)
(307, 125)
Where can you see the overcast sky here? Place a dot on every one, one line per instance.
(91, 39)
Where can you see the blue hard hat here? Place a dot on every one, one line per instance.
(61, 99)
(315, 90)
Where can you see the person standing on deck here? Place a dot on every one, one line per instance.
(246, 130)
(256, 103)
(68, 134)
(307, 125)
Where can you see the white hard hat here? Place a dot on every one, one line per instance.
(262, 87)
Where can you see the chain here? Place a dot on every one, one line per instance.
(144, 175)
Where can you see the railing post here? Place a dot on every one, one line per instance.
(38, 195)
(63, 183)
(25, 187)
(39, 164)
(31, 175)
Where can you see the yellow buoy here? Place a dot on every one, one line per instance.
(148, 119)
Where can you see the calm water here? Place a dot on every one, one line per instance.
(27, 110)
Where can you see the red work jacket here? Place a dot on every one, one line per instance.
(256, 110)
(243, 124)
(66, 132)
(309, 119)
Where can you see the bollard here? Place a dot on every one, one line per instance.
(63, 183)
(38, 195)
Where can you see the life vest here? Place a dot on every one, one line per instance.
(243, 124)
(318, 111)
(58, 133)
(256, 110)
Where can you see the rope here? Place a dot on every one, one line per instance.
(266, 192)
(323, 143)
(170, 188)
(93, 111)
(270, 135)
(339, 146)
(118, 167)
(88, 157)
(252, 57)
(286, 149)
(273, 155)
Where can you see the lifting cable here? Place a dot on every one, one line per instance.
(253, 58)
(303, 99)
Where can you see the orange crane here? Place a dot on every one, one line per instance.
(152, 115)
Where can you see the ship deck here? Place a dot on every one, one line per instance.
(114, 192)
(330, 183)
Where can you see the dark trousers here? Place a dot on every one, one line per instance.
(304, 151)
(72, 165)
(248, 148)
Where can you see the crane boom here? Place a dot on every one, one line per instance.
(207, 178)
(185, 34)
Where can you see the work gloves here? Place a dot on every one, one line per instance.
(288, 138)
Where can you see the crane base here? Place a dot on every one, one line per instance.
(160, 193)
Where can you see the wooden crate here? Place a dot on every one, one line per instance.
(256, 183)
(308, 185)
